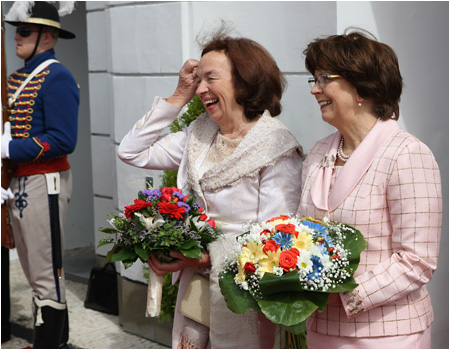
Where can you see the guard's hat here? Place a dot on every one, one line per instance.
(40, 13)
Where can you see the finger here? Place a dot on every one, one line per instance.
(154, 268)
(177, 255)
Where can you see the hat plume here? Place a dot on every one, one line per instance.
(19, 11)
(66, 7)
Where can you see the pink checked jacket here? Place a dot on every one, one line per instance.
(390, 190)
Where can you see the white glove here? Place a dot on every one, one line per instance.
(6, 194)
(6, 139)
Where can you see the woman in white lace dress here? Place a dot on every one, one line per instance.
(238, 161)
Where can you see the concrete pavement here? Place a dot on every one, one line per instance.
(89, 329)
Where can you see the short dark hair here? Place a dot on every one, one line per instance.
(258, 81)
(371, 66)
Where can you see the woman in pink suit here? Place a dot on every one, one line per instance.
(374, 176)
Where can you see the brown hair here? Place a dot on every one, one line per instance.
(371, 66)
(258, 81)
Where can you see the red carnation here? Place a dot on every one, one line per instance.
(167, 193)
(203, 217)
(172, 209)
(212, 223)
(138, 205)
(270, 245)
(288, 260)
(249, 267)
(286, 228)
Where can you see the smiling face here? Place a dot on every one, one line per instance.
(338, 100)
(216, 88)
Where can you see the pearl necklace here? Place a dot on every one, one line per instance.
(340, 152)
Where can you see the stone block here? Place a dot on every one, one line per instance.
(282, 27)
(133, 97)
(100, 97)
(96, 5)
(103, 165)
(150, 42)
(98, 36)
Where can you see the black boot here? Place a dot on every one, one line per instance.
(51, 324)
(65, 333)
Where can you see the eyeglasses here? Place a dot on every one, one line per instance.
(24, 31)
(322, 79)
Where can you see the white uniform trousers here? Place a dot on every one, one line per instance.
(30, 221)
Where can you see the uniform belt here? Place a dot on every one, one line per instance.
(40, 167)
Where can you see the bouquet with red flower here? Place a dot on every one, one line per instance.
(159, 221)
(286, 268)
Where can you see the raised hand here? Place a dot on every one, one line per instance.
(187, 84)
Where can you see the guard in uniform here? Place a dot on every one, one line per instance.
(41, 132)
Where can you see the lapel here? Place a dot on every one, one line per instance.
(360, 161)
(353, 170)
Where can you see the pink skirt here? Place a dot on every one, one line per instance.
(421, 340)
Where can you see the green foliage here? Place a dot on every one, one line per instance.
(194, 109)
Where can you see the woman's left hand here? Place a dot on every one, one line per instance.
(181, 262)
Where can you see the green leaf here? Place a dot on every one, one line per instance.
(189, 244)
(107, 230)
(273, 284)
(194, 253)
(288, 309)
(129, 263)
(122, 254)
(111, 252)
(142, 253)
(102, 243)
(238, 300)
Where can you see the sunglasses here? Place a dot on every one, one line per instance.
(25, 31)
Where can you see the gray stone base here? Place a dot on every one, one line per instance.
(132, 301)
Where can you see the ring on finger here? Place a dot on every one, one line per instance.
(194, 75)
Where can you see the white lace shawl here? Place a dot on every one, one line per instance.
(266, 142)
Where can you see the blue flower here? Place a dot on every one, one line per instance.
(316, 268)
(284, 240)
(151, 194)
(320, 231)
(184, 205)
(179, 195)
(319, 228)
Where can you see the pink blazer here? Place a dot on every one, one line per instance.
(390, 189)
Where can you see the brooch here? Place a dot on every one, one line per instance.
(328, 161)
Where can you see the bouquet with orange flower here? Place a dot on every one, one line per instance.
(286, 268)
(157, 222)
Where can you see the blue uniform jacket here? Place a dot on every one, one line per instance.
(44, 118)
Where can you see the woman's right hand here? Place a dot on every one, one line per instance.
(180, 262)
(187, 84)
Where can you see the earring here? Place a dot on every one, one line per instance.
(359, 104)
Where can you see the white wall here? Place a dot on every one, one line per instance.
(136, 49)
